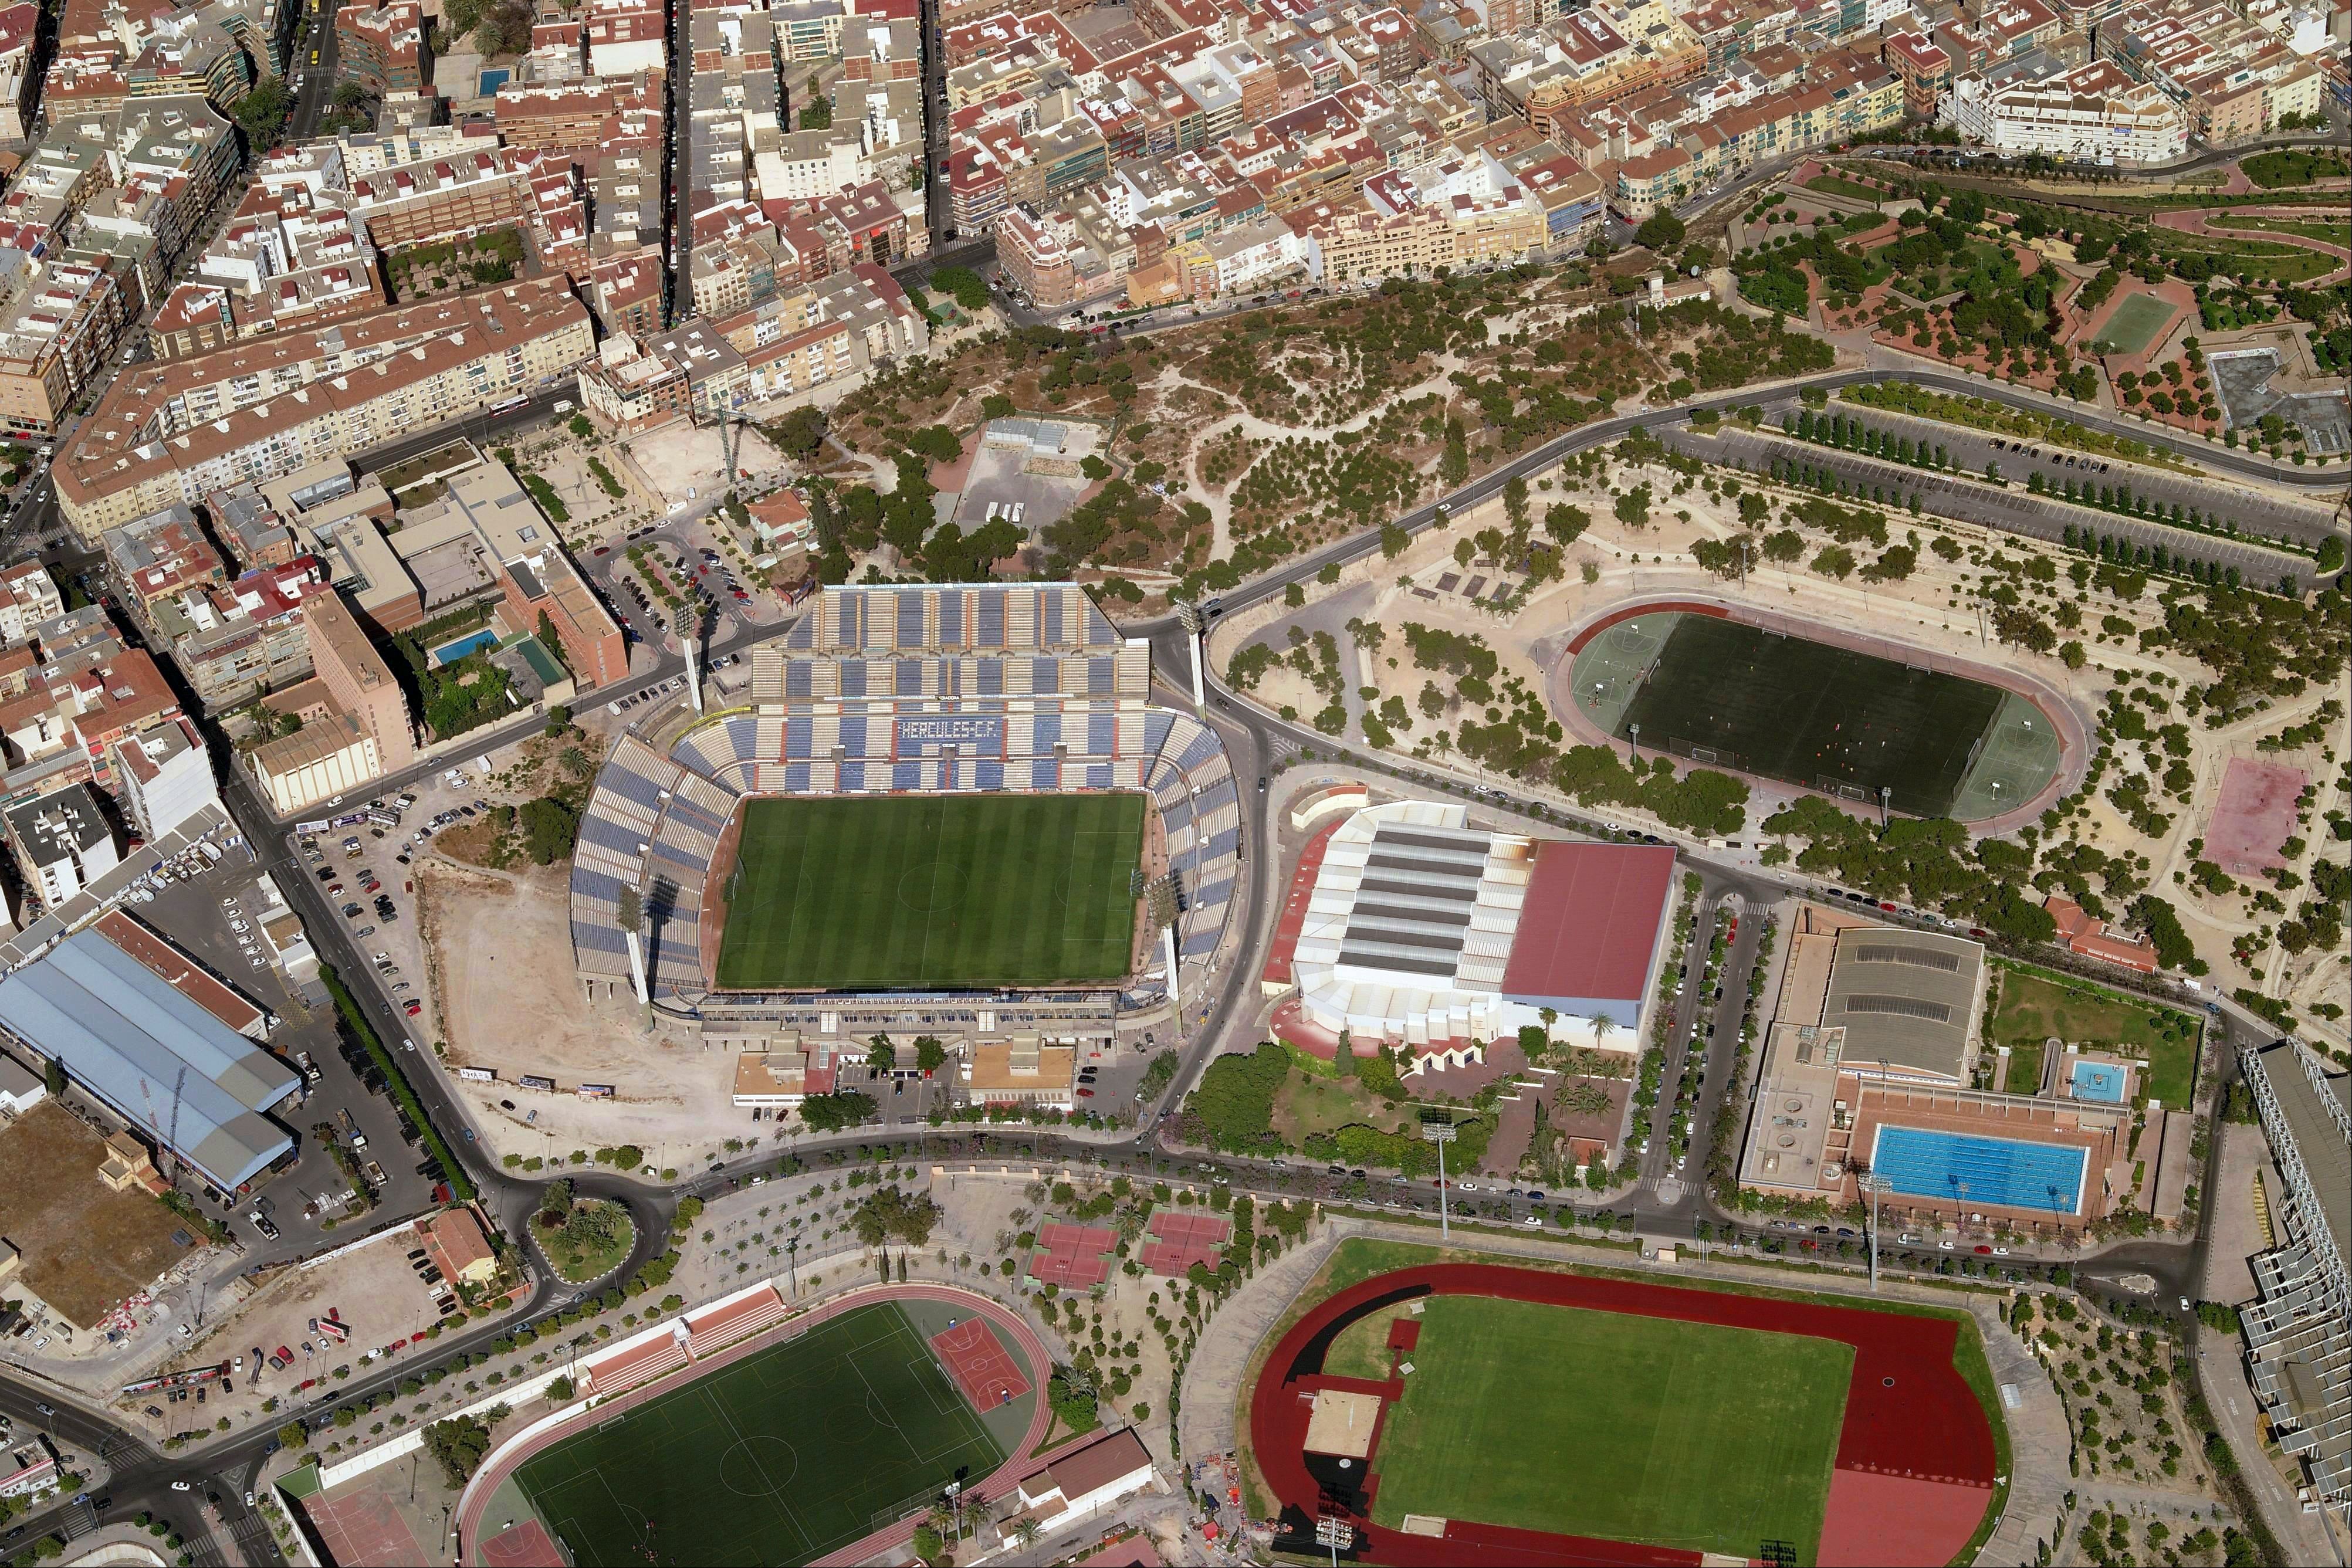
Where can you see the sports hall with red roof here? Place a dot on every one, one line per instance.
(1406, 927)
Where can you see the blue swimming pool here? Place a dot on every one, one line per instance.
(2101, 1081)
(1962, 1167)
(450, 652)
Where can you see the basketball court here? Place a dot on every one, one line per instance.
(981, 1366)
(361, 1529)
(1177, 1239)
(1074, 1257)
(526, 1545)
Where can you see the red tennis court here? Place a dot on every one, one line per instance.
(1075, 1256)
(2254, 817)
(362, 1530)
(1177, 1239)
(981, 1366)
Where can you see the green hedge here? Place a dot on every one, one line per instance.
(461, 1184)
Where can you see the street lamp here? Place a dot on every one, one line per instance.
(1877, 1186)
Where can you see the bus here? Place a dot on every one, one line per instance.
(508, 405)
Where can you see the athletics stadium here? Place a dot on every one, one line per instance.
(949, 810)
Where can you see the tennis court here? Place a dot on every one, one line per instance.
(781, 1458)
(1075, 1256)
(1725, 693)
(1964, 1168)
(1177, 1239)
(361, 1528)
(982, 1367)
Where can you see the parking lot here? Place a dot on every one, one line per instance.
(200, 916)
(381, 1293)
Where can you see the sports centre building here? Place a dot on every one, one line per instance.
(1407, 926)
(1867, 1072)
(882, 691)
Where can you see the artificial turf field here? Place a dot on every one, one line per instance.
(932, 890)
(1692, 1436)
(781, 1458)
(1810, 713)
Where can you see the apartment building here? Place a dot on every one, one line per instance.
(233, 642)
(62, 842)
(383, 45)
(2094, 114)
(20, 85)
(54, 333)
(258, 410)
(2298, 1345)
(2234, 75)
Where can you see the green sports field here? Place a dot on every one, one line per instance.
(1729, 695)
(932, 890)
(781, 1458)
(1690, 1436)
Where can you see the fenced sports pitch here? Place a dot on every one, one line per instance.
(936, 889)
(781, 1458)
(1723, 693)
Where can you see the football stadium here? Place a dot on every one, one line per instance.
(952, 805)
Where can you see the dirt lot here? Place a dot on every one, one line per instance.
(85, 1248)
(501, 955)
(376, 1289)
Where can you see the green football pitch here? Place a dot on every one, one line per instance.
(1690, 1436)
(781, 1458)
(1725, 692)
(934, 890)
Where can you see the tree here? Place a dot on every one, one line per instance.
(459, 1444)
(292, 1436)
(800, 434)
(881, 1055)
(842, 1108)
(559, 1390)
(53, 1077)
(551, 827)
(262, 112)
(555, 1204)
(893, 1214)
(929, 1054)
(1784, 546)
(1662, 232)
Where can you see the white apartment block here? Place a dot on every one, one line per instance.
(2094, 114)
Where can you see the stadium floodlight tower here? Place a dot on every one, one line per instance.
(689, 632)
(1332, 1531)
(1189, 614)
(1877, 1186)
(1437, 1127)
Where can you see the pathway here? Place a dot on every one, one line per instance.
(2199, 221)
(1212, 1378)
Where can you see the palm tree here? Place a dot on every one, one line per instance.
(1603, 1026)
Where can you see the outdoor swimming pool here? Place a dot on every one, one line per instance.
(1958, 1167)
(2100, 1081)
(474, 643)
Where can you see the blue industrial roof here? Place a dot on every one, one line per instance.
(162, 1063)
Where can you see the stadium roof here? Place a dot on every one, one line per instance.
(162, 1063)
(1588, 931)
(1907, 999)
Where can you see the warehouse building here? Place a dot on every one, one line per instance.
(172, 1070)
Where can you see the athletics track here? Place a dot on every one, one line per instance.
(1018, 1465)
(1915, 1464)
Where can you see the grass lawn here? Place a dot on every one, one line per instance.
(2035, 1005)
(2337, 232)
(786, 1456)
(1690, 1436)
(1307, 1103)
(2294, 166)
(957, 890)
(583, 1250)
(2136, 321)
(1839, 186)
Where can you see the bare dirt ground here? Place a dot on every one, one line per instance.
(85, 1247)
(502, 982)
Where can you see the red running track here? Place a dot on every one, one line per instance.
(1909, 1414)
(1577, 643)
(1017, 1464)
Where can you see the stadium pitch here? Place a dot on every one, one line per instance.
(1691, 1436)
(932, 891)
(783, 1457)
(1725, 692)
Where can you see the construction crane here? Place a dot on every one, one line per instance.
(154, 1127)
